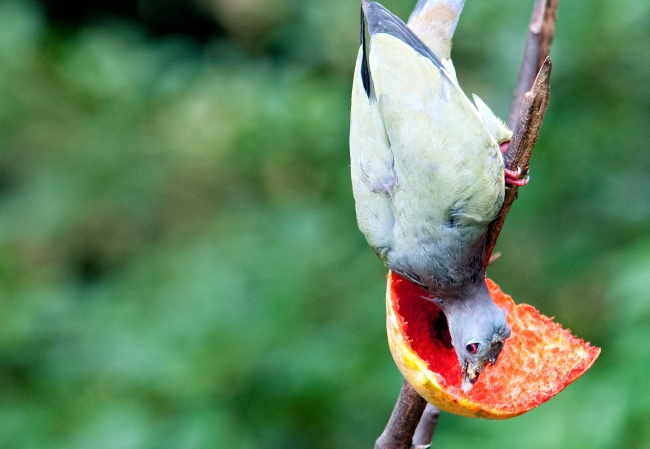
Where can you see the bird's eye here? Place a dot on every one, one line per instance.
(472, 348)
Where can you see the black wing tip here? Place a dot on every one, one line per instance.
(365, 72)
(381, 20)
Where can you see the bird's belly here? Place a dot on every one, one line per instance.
(441, 220)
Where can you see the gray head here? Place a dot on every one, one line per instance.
(478, 331)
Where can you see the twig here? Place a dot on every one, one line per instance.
(538, 46)
(527, 112)
(424, 432)
(398, 433)
(521, 146)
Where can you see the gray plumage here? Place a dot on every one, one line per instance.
(428, 175)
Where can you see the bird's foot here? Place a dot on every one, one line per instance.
(513, 177)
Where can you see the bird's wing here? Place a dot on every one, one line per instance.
(371, 160)
(448, 167)
(497, 127)
(434, 21)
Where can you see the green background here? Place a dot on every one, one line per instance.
(179, 260)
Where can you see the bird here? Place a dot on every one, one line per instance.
(428, 172)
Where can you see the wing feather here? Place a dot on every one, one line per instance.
(449, 167)
(427, 175)
(371, 164)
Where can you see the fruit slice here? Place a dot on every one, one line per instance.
(538, 360)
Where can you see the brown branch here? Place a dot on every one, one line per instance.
(538, 46)
(527, 112)
(528, 105)
(521, 146)
(398, 433)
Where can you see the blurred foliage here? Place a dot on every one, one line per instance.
(179, 260)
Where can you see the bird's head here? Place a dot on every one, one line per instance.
(478, 331)
(474, 353)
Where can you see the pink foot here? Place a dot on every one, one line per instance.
(513, 176)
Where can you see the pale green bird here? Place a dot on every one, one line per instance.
(427, 171)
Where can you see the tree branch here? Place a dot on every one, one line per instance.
(398, 433)
(528, 107)
(521, 146)
(527, 112)
(538, 46)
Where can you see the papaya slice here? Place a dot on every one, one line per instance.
(538, 360)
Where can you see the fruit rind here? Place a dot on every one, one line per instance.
(433, 387)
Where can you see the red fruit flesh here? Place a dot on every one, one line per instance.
(537, 361)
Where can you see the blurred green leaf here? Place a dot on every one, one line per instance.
(179, 260)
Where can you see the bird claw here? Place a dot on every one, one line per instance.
(512, 177)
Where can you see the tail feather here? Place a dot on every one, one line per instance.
(434, 21)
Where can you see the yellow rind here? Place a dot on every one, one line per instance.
(424, 381)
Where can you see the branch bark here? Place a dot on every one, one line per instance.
(538, 46)
(521, 147)
(406, 415)
(526, 115)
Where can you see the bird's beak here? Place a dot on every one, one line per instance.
(470, 376)
(493, 353)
